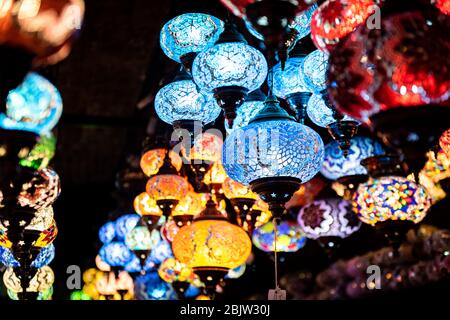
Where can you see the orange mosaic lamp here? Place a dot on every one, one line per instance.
(185, 210)
(152, 161)
(148, 209)
(215, 178)
(211, 246)
(167, 188)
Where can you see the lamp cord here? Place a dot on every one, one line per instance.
(275, 229)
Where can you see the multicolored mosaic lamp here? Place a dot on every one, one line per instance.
(328, 220)
(289, 237)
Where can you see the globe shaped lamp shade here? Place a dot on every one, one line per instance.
(230, 69)
(328, 218)
(152, 287)
(152, 161)
(125, 224)
(41, 281)
(169, 230)
(180, 104)
(116, 254)
(319, 112)
(443, 5)
(35, 106)
(172, 270)
(188, 34)
(337, 18)
(185, 210)
(42, 220)
(141, 239)
(101, 265)
(289, 81)
(45, 257)
(390, 198)
(147, 208)
(242, 199)
(211, 246)
(42, 296)
(161, 252)
(401, 85)
(107, 232)
(137, 266)
(336, 166)
(314, 71)
(167, 190)
(289, 237)
(444, 142)
(215, 178)
(301, 24)
(41, 191)
(254, 102)
(236, 272)
(7, 258)
(274, 154)
(42, 153)
(207, 147)
(436, 169)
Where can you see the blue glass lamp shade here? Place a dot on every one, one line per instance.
(140, 238)
(189, 33)
(314, 71)
(7, 258)
(35, 106)
(181, 100)
(230, 64)
(192, 291)
(134, 266)
(45, 256)
(319, 113)
(289, 81)
(125, 224)
(336, 166)
(116, 254)
(274, 148)
(254, 102)
(152, 287)
(161, 252)
(236, 272)
(107, 232)
(301, 24)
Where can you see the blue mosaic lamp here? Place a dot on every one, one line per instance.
(161, 252)
(7, 258)
(336, 166)
(35, 106)
(45, 256)
(230, 69)
(152, 287)
(273, 154)
(107, 232)
(254, 102)
(116, 254)
(135, 265)
(125, 224)
(183, 37)
(288, 84)
(319, 112)
(180, 103)
(302, 22)
(314, 71)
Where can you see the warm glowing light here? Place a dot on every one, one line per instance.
(216, 175)
(444, 142)
(40, 156)
(390, 198)
(42, 280)
(41, 191)
(47, 236)
(169, 230)
(172, 270)
(144, 205)
(189, 205)
(211, 243)
(207, 147)
(42, 220)
(167, 187)
(153, 159)
(233, 189)
(101, 265)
